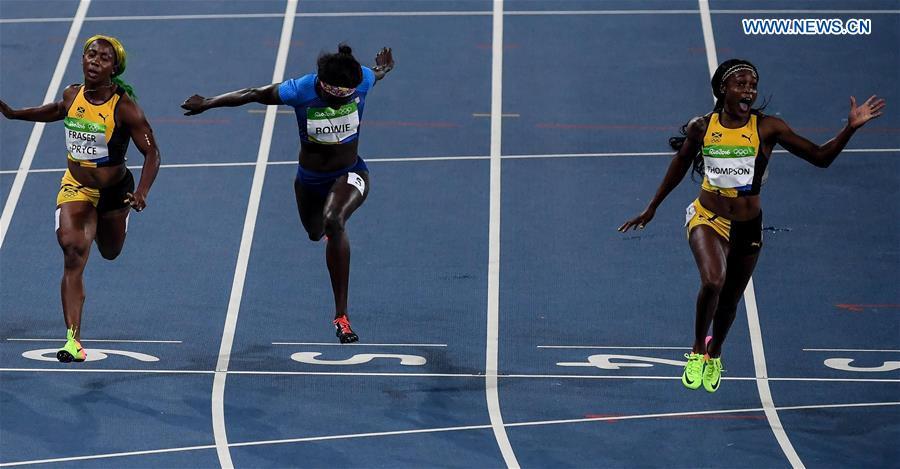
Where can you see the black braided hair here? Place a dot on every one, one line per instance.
(340, 68)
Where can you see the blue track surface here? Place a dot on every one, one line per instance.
(592, 323)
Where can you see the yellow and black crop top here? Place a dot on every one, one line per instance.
(733, 165)
(92, 137)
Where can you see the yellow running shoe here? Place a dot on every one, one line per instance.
(712, 375)
(693, 371)
(72, 351)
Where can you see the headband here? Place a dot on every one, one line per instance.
(338, 91)
(738, 68)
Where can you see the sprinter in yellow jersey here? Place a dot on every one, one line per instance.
(97, 191)
(731, 147)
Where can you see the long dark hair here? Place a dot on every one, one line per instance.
(725, 69)
(340, 68)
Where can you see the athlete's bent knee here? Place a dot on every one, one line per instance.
(334, 224)
(75, 251)
(712, 283)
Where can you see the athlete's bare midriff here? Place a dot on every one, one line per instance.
(97, 178)
(328, 158)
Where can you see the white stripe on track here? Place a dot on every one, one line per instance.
(416, 159)
(375, 374)
(240, 16)
(450, 429)
(756, 343)
(35, 138)
(762, 377)
(493, 295)
(849, 350)
(243, 259)
(121, 341)
(610, 347)
(357, 344)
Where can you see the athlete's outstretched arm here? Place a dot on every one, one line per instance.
(142, 136)
(822, 156)
(51, 112)
(384, 63)
(677, 169)
(264, 95)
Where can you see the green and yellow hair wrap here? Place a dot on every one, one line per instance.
(121, 60)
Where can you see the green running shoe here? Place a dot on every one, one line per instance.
(72, 351)
(693, 371)
(712, 375)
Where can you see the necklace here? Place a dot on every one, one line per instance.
(99, 87)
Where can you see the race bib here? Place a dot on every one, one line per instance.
(85, 140)
(689, 213)
(358, 182)
(328, 125)
(729, 166)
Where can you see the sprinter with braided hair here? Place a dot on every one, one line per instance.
(332, 180)
(731, 147)
(97, 190)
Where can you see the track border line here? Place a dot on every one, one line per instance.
(12, 200)
(756, 342)
(421, 159)
(243, 257)
(372, 14)
(450, 429)
(492, 342)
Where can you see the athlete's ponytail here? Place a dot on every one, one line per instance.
(340, 68)
(677, 142)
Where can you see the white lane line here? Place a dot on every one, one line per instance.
(452, 429)
(414, 159)
(699, 413)
(241, 16)
(803, 12)
(263, 111)
(762, 383)
(108, 455)
(124, 341)
(106, 370)
(487, 114)
(837, 380)
(240, 271)
(35, 138)
(756, 343)
(709, 42)
(492, 347)
(357, 344)
(609, 347)
(427, 375)
(848, 350)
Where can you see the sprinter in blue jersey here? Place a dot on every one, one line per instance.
(332, 180)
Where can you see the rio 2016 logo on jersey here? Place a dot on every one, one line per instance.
(328, 125)
(728, 151)
(729, 166)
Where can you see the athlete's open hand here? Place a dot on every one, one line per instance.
(639, 221)
(384, 62)
(194, 105)
(137, 200)
(869, 110)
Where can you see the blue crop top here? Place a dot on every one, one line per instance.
(319, 123)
